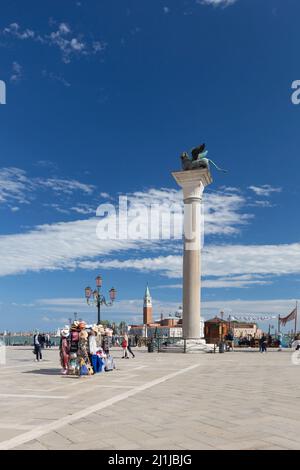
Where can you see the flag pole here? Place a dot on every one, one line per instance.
(279, 323)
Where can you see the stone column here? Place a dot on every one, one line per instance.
(193, 183)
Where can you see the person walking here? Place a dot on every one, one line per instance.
(129, 347)
(42, 340)
(263, 344)
(37, 347)
(47, 340)
(124, 346)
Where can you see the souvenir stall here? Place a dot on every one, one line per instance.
(84, 349)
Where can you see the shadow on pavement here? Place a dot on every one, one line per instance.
(43, 371)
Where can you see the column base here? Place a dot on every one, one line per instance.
(192, 346)
(198, 346)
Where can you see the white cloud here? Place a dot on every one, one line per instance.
(14, 30)
(216, 3)
(69, 245)
(16, 186)
(56, 246)
(265, 190)
(219, 261)
(63, 185)
(243, 281)
(83, 209)
(222, 210)
(261, 203)
(105, 195)
(56, 78)
(62, 37)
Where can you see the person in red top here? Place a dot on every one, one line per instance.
(124, 346)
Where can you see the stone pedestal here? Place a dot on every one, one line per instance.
(193, 183)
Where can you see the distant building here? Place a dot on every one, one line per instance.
(216, 329)
(169, 326)
(245, 330)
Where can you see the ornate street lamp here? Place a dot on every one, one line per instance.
(98, 297)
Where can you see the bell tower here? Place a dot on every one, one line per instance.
(147, 309)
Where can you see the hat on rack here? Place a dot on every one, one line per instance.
(74, 325)
(65, 332)
(83, 334)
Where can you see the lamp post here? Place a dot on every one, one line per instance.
(98, 297)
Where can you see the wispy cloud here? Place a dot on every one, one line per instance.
(63, 185)
(243, 281)
(17, 186)
(14, 30)
(83, 209)
(68, 245)
(73, 245)
(14, 185)
(217, 3)
(69, 43)
(56, 78)
(265, 190)
(218, 261)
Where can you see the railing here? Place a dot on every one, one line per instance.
(18, 340)
(176, 344)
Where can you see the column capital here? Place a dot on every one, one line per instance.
(193, 182)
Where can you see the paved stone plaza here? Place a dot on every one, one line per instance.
(237, 400)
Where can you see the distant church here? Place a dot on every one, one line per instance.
(147, 308)
(169, 326)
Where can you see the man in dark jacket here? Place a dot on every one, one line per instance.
(263, 343)
(37, 346)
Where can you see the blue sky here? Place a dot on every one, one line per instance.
(102, 97)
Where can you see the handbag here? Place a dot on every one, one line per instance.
(84, 370)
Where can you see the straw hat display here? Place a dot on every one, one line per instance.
(83, 334)
(82, 325)
(75, 325)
